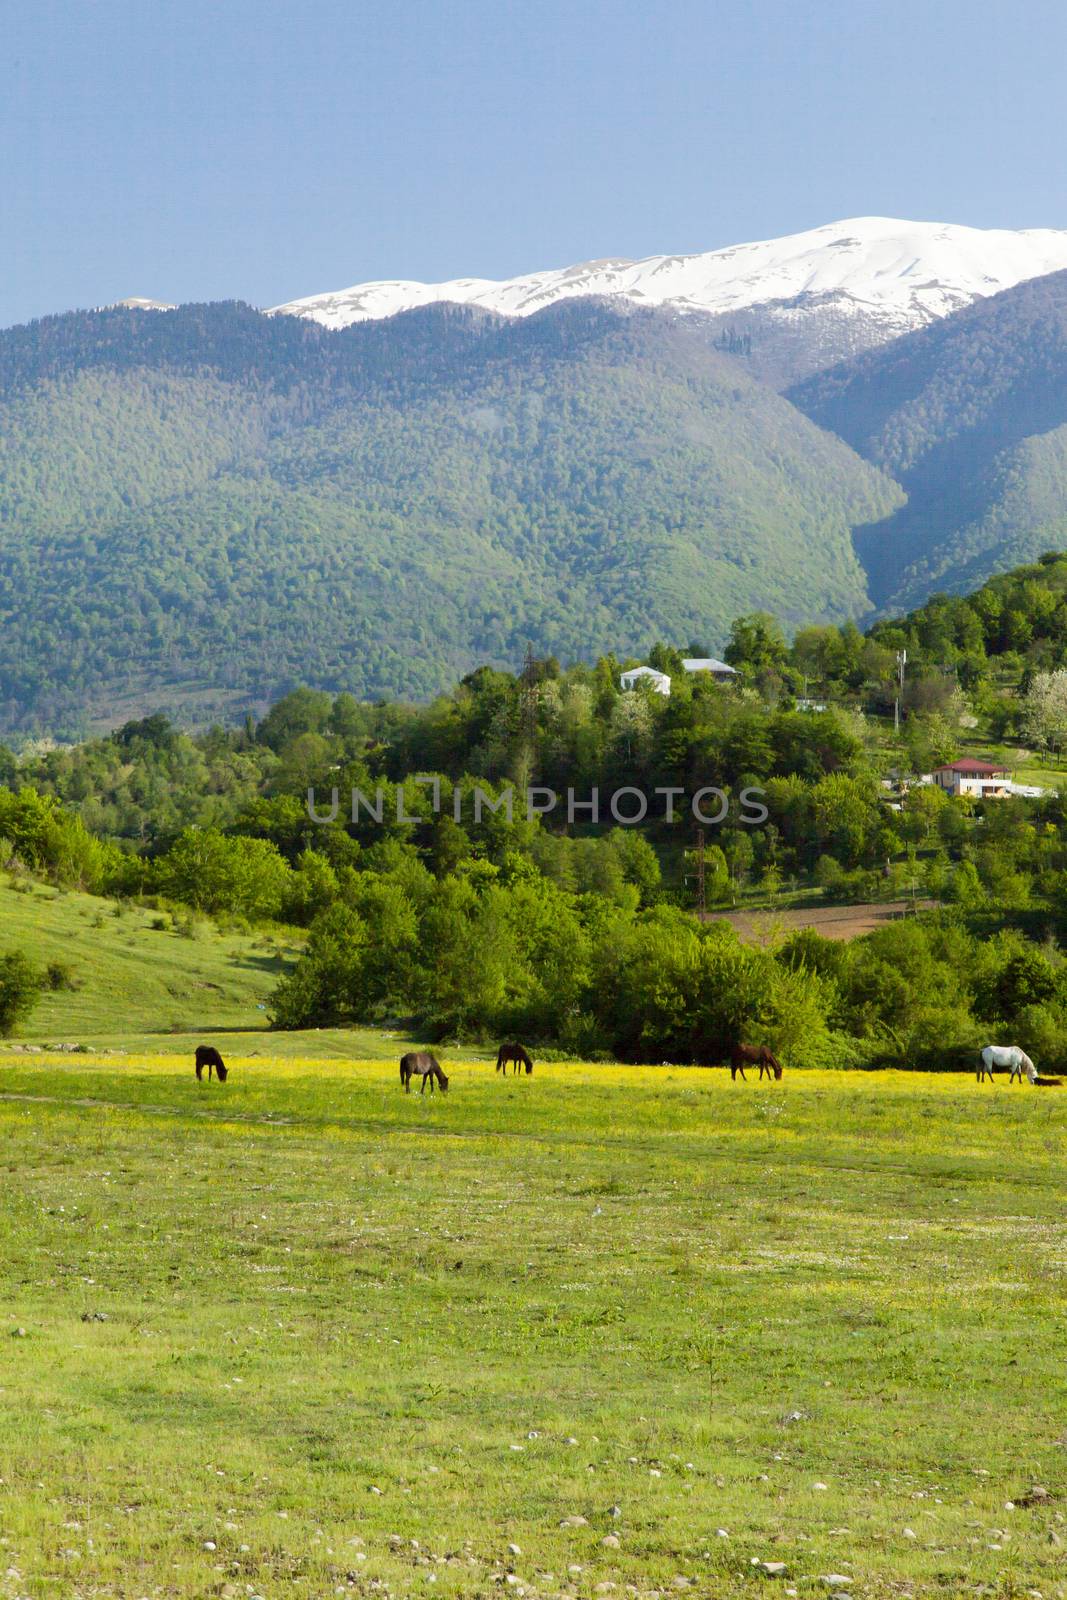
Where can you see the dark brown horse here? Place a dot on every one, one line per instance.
(751, 1055)
(207, 1056)
(516, 1055)
(421, 1064)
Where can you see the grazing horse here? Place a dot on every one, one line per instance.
(516, 1055)
(1005, 1055)
(207, 1056)
(421, 1064)
(752, 1055)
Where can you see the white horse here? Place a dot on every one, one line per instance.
(1005, 1055)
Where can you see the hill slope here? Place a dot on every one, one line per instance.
(132, 977)
(200, 508)
(970, 416)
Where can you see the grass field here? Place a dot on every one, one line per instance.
(304, 1335)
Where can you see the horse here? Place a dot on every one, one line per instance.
(754, 1055)
(1005, 1055)
(421, 1064)
(515, 1054)
(207, 1056)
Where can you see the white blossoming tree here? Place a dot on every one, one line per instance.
(1045, 710)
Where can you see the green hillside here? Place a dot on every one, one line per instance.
(130, 976)
(970, 416)
(202, 508)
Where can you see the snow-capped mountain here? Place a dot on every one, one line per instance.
(882, 275)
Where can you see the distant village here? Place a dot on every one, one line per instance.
(970, 777)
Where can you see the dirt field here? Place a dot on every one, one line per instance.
(833, 922)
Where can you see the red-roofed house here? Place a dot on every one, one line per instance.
(982, 779)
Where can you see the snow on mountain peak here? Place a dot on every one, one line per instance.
(136, 302)
(893, 275)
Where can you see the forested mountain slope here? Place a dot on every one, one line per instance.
(970, 416)
(202, 507)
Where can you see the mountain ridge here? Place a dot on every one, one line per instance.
(969, 415)
(887, 276)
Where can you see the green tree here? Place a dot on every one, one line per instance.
(215, 872)
(756, 644)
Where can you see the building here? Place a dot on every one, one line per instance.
(658, 682)
(980, 779)
(717, 669)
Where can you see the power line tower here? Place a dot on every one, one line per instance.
(902, 661)
(696, 876)
(528, 678)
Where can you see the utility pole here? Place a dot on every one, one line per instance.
(902, 661)
(528, 714)
(702, 904)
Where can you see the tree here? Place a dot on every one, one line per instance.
(21, 985)
(1045, 710)
(216, 872)
(302, 711)
(326, 985)
(756, 644)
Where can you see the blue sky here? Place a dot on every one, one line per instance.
(201, 149)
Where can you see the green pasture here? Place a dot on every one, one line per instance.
(598, 1331)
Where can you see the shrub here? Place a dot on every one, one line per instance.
(21, 984)
(60, 975)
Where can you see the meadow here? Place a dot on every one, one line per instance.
(603, 1330)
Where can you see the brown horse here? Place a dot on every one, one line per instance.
(207, 1056)
(421, 1064)
(752, 1055)
(515, 1054)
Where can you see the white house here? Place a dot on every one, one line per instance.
(717, 669)
(981, 779)
(658, 682)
